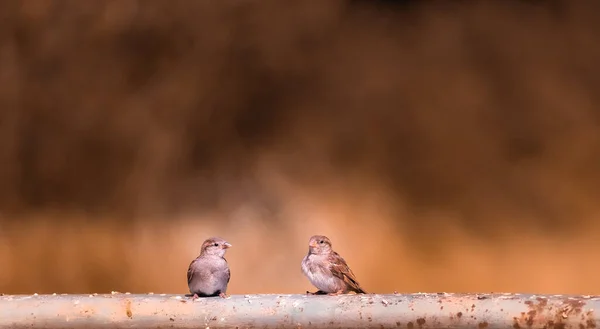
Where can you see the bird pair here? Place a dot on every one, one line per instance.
(208, 275)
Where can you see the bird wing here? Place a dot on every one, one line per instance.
(341, 270)
(190, 271)
(228, 271)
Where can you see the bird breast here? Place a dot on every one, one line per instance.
(316, 268)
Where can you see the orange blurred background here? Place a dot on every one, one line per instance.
(442, 146)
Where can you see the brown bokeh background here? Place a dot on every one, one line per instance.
(443, 146)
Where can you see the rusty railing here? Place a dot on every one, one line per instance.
(408, 311)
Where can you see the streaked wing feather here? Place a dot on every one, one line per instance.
(340, 269)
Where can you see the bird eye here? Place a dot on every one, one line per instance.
(216, 244)
(321, 242)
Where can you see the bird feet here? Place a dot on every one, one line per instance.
(195, 297)
(223, 295)
(339, 292)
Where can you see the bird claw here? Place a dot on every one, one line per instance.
(195, 297)
(223, 295)
(335, 293)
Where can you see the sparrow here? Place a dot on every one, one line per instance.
(327, 270)
(208, 274)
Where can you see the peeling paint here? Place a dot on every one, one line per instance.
(409, 311)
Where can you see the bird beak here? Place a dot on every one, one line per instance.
(312, 244)
(226, 245)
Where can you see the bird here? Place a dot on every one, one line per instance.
(327, 270)
(208, 275)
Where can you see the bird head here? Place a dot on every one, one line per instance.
(319, 244)
(215, 246)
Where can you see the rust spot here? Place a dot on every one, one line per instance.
(531, 317)
(398, 324)
(459, 314)
(410, 325)
(128, 309)
(516, 323)
(590, 323)
(171, 319)
(420, 322)
(482, 325)
(581, 326)
(573, 306)
(441, 307)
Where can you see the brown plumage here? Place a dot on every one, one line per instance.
(208, 275)
(327, 270)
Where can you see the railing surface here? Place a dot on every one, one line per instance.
(407, 311)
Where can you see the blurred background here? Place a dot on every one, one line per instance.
(443, 146)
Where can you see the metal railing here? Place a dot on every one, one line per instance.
(408, 311)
